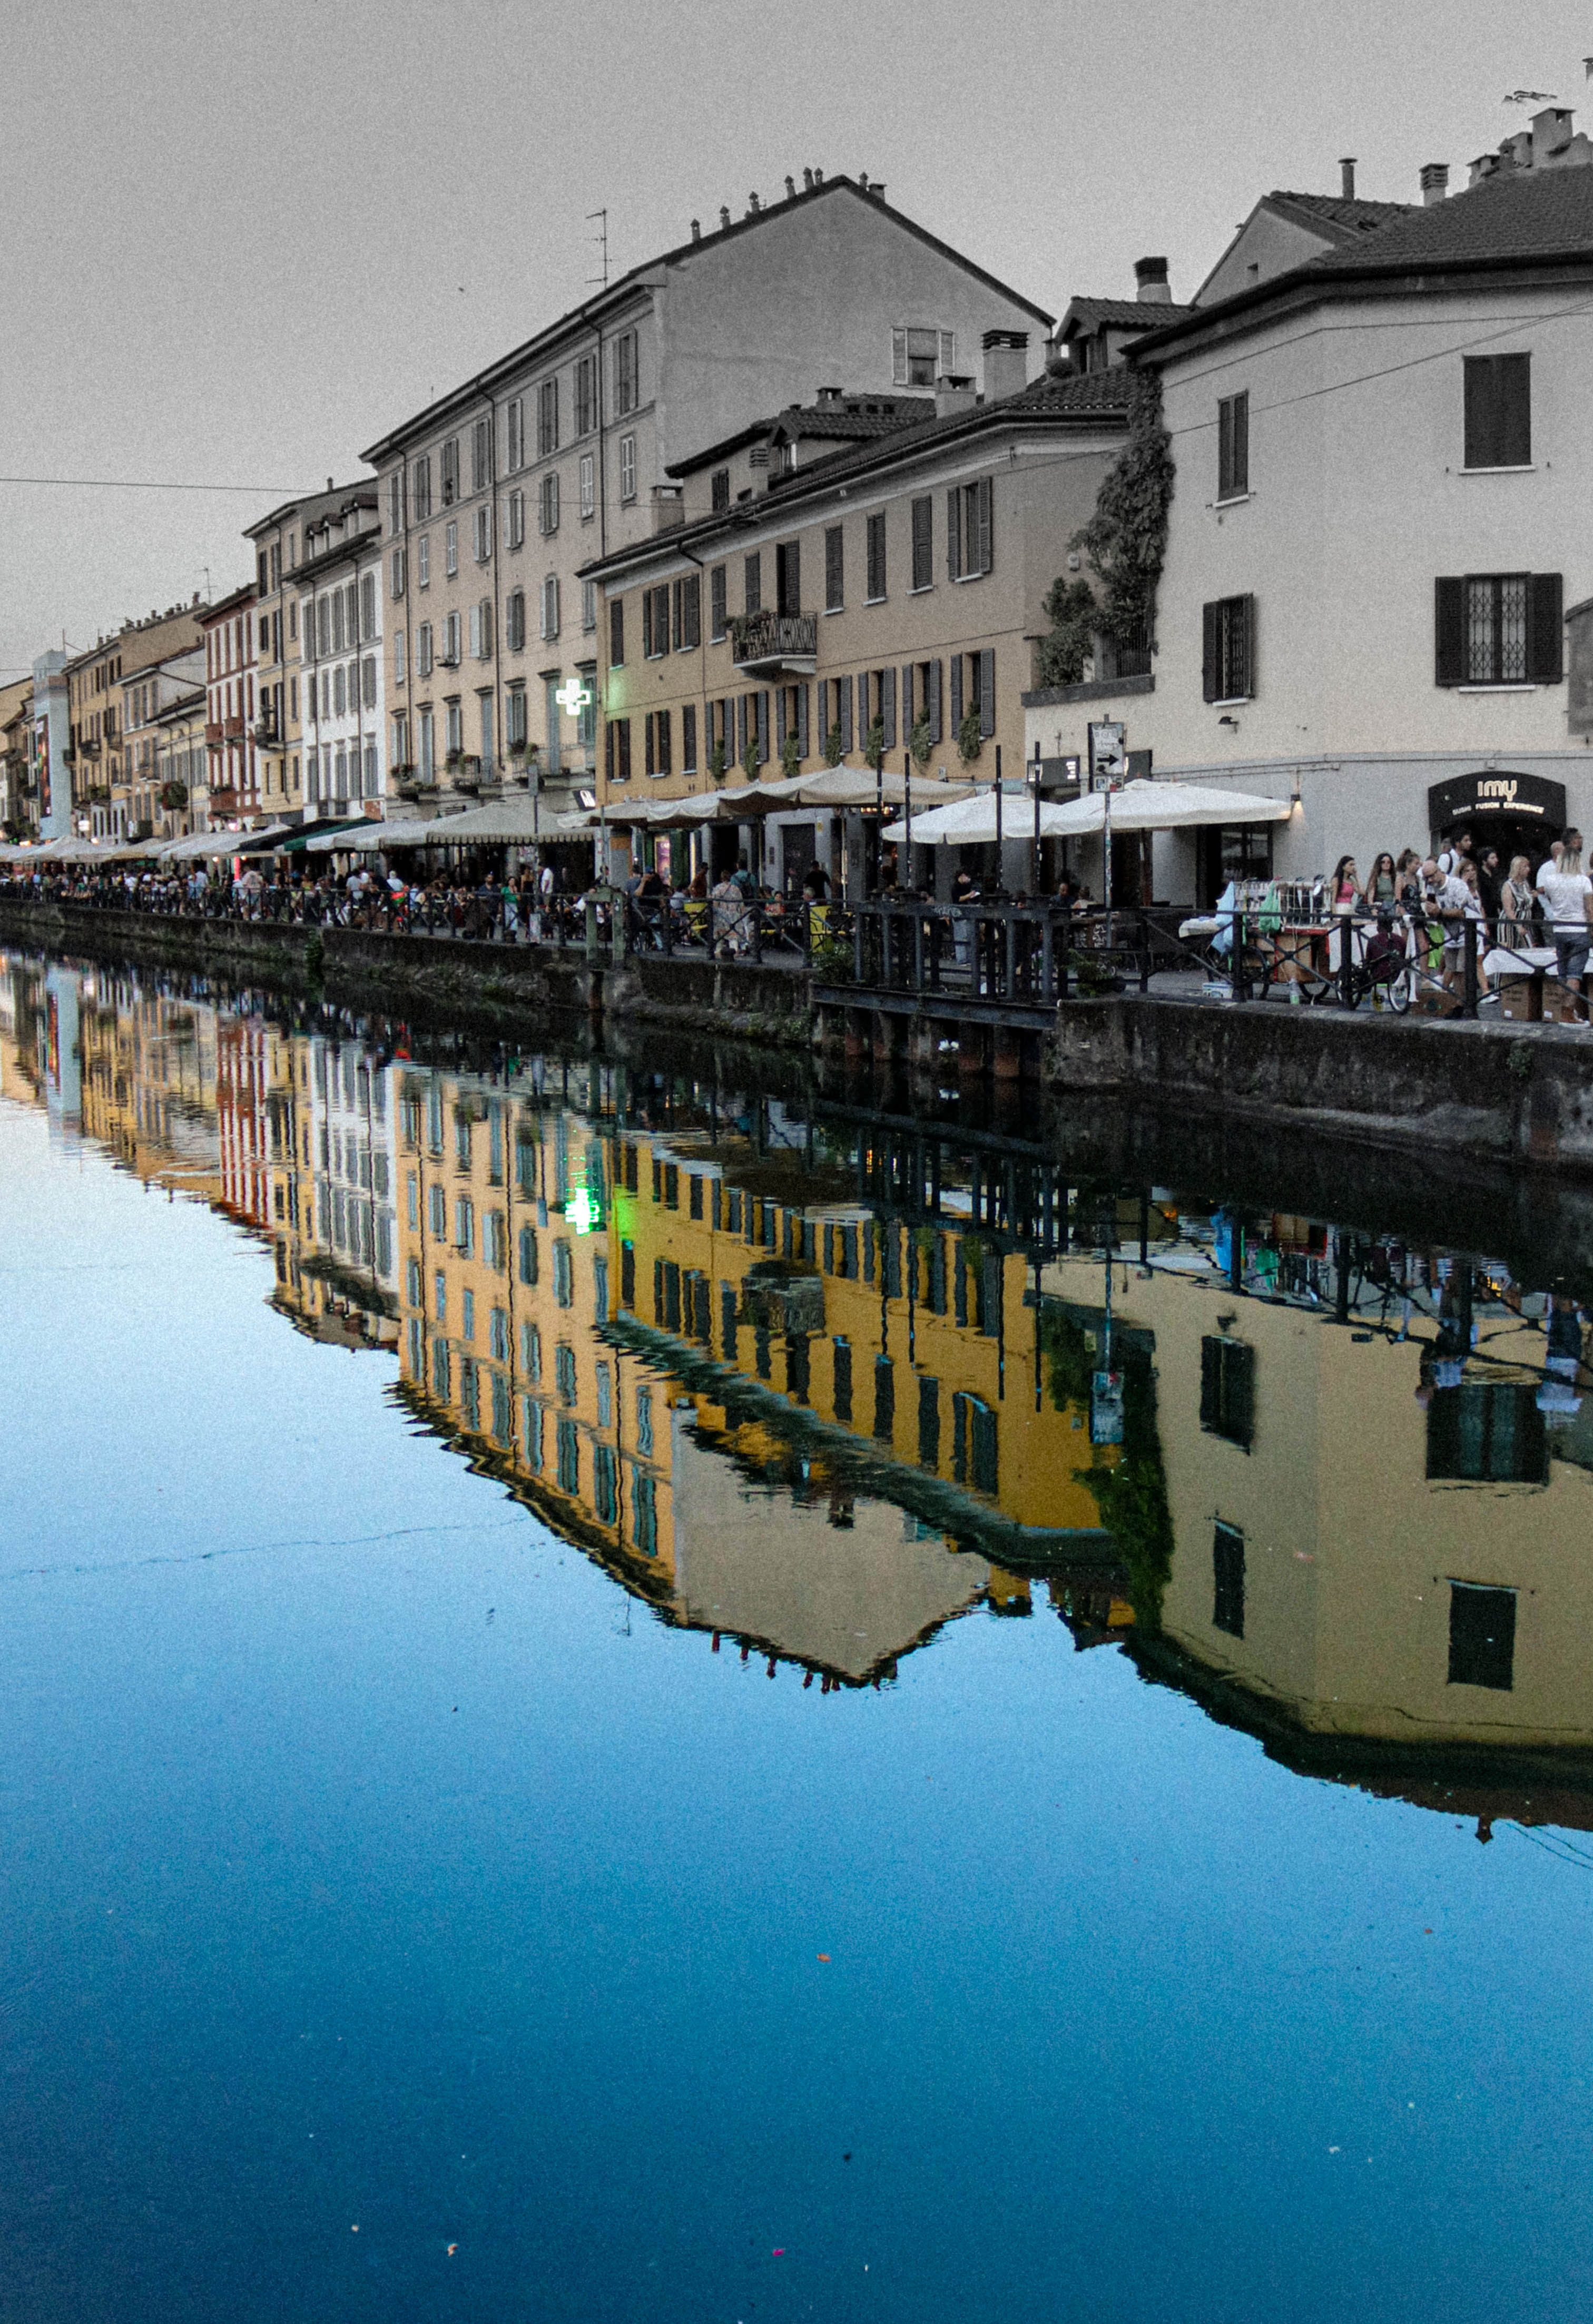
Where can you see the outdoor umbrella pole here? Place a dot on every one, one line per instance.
(908, 792)
(1037, 880)
(998, 888)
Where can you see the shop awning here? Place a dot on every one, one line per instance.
(324, 830)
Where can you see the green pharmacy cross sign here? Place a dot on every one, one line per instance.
(572, 696)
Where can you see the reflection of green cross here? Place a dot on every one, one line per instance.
(572, 697)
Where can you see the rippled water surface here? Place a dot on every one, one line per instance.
(627, 1696)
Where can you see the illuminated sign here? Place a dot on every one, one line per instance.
(572, 696)
(581, 1212)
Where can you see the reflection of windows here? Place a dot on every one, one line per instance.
(440, 1369)
(1488, 1432)
(644, 1516)
(528, 1256)
(564, 1275)
(1227, 1391)
(530, 1352)
(644, 1423)
(929, 1423)
(628, 1276)
(975, 1458)
(884, 1398)
(606, 1498)
(534, 1436)
(568, 1457)
(841, 1350)
(498, 1334)
(1228, 1573)
(1482, 1635)
(564, 1372)
(502, 1424)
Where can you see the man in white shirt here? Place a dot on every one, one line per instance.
(1568, 895)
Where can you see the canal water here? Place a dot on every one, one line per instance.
(636, 1694)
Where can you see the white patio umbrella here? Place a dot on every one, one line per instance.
(972, 822)
(1163, 807)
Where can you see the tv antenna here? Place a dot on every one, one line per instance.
(602, 239)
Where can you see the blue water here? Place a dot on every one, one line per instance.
(398, 1923)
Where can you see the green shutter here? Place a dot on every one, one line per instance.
(1449, 631)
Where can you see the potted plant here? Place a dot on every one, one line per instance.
(790, 756)
(833, 750)
(969, 740)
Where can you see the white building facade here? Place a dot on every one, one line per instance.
(1377, 597)
(342, 680)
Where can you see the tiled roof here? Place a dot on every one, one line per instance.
(1508, 220)
(856, 416)
(1149, 315)
(1344, 221)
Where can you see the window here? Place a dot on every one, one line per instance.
(451, 639)
(689, 613)
(395, 513)
(1482, 1636)
(721, 486)
(514, 625)
(1228, 1389)
(399, 670)
(787, 576)
(450, 471)
(454, 728)
(627, 468)
(617, 634)
(367, 606)
(1499, 629)
(617, 750)
(626, 395)
(1233, 447)
(398, 573)
(658, 738)
(423, 651)
(480, 629)
(423, 560)
(655, 623)
(876, 575)
(918, 355)
(588, 487)
(716, 602)
(427, 759)
(688, 739)
(1228, 1580)
(835, 569)
(586, 395)
(339, 691)
(550, 607)
(924, 543)
(515, 520)
(368, 682)
(514, 701)
(481, 455)
(422, 487)
(548, 504)
(969, 530)
(1488, 1432)
(1227, 650)
(1498, 412)
(451, 546)
(753, 584)
(589, 607)
(515, 417)
(547, 419)
(481, 518)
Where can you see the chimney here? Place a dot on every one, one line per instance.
(723, 216)
(1347, 177)
(1005, 364)
(330, 487)
(1435, 182)
(1150, 283)
(696, 229)
(829, 396)
(953, 393)
(1551, 132)
(790, 187)
(753, 206)
(808, 182)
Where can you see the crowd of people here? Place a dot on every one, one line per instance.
(1425, 902)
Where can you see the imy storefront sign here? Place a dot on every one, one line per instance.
(1496, 796)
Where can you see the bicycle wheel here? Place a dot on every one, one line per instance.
(1400, 989)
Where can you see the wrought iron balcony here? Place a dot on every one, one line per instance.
(765, 643)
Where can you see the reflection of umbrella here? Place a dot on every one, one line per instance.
(1162, 807)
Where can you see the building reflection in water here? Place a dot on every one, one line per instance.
(816, 1385)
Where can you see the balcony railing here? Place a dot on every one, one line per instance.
(771, 641)
(234, 729)
(213, 733)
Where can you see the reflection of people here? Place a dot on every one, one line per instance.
(1563, 1326)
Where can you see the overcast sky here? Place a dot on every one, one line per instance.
(241, 242)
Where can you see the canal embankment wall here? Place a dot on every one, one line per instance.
(1509, 1094)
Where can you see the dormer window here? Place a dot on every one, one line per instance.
(919, 354)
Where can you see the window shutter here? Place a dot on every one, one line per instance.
(887, 705)
(780, 719)
(647, 624)
(624, 750)
(741, 727)
(984, 513)
(843, 712)
(987, 690)
(677, 614)
(907, 701)
(762, 726)
(802, 694)
(1449, 631)
(1246, 606)
(899, 358)
(936, 677)
(608, 749)
(956, 696)
(1545, 629)
(616, 634)
(955, 534)
(1210, 656)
